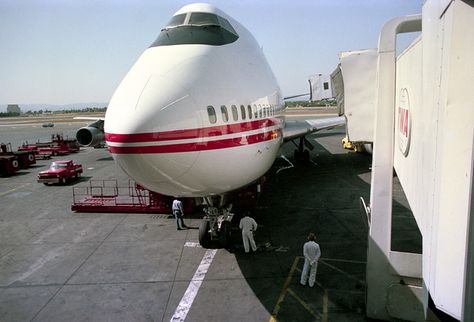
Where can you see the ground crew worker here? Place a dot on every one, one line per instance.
(248, 226)
(178, 213)
(311, 252)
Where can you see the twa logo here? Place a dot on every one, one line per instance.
(404, 122)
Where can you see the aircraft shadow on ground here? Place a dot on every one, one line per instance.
(106, 159)
(77, 181)
(35, 166)
(320, 197)
(22, 172)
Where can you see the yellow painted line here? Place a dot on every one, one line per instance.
(342, 272)
(318, 316)
(304, 304)
(342, 260)
(325, 305)
(283, 291)
(11, 190)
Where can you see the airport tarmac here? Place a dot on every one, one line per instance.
(56, 265)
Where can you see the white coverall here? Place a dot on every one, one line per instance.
(311, 252)
(178, 212)
(248, 224)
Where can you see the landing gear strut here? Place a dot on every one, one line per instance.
(215, 226)
(302, 154)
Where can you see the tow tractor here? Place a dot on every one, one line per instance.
(24, 159)
(8, 165)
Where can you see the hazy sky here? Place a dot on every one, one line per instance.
(59, 52)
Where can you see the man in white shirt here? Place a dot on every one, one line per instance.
(248, 225)
(311, 252)
(178, 213)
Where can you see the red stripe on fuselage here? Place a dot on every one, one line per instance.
(198, 146)
(205, 132)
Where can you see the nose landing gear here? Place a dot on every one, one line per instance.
(215, 227)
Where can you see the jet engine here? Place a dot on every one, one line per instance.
(91, 135)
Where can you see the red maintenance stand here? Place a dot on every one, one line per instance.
(108, 196)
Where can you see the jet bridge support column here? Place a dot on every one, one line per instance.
(385, 267)
(468, 296)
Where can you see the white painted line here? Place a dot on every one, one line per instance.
(191, 244)
(188, 298)
(287, 167)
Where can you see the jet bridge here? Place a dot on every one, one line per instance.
(424, 129)
(353, 83)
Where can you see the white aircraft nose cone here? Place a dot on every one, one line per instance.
(147, 140)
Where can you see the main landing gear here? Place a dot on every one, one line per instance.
(214, 230)
(302, 154)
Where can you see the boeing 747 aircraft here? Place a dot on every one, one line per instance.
(200, 114)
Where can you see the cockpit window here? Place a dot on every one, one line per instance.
(200, 29)
(177, 20)
(202, 19)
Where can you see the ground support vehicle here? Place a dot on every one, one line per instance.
(57, 146)
(25, 158)
(60, 172)
(110, 196)
(8, 165)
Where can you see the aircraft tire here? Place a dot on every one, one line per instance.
(224, 234)
(204, 236)
(297, 155)
(306, 155)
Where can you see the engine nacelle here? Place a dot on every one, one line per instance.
(90, 136)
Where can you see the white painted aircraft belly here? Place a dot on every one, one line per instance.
(206, 172)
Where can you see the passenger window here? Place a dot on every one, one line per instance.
(212, 114)
(259, 110)
(225, 116)
(249, 109)
(242, 111)
(235, 115)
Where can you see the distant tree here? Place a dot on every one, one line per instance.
(8, 114)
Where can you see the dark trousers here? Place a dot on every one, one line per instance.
(179, 218)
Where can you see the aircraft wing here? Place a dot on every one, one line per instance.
(297, 128)
(89, 118)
